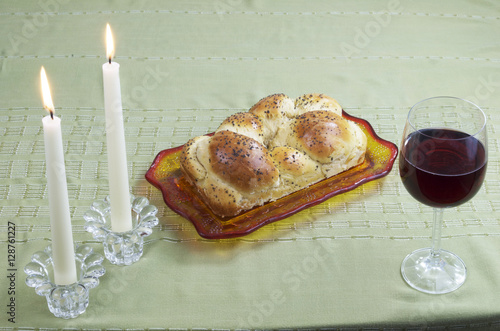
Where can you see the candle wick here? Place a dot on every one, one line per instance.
(51, 114)
(110, 60)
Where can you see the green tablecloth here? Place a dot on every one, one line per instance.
(185, 66)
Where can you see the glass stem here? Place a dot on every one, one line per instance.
(436, 235)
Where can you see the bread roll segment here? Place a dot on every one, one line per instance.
(278, 147)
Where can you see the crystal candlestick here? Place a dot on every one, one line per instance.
(121, 248)
(65, 301)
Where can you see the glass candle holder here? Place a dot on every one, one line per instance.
(121, 248)
(65, 301)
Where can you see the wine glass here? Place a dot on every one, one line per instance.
(442, 164)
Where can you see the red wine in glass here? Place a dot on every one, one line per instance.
(442, 167)
(442, 163)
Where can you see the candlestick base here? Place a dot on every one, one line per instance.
(65, 301)
(121, 248)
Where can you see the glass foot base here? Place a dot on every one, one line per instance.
(65, 301)
(121, 248)
(440, 275)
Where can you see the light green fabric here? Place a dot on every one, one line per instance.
(185, 66)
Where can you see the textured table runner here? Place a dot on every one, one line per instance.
(185, 66)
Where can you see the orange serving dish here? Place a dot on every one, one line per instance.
(182, 197)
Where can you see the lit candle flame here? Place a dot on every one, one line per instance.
(47, 98)
(110, 46)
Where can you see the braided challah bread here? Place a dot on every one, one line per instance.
(278, 147)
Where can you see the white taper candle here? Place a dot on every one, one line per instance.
(119, 194)
(63, 252)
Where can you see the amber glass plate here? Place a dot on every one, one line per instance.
(183, 198)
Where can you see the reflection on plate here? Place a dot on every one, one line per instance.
(182, 197)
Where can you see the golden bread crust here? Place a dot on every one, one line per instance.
(324, 135)
(317, 101)
(242, 161)
(273, 111)
(278, 147)
(246, 124)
